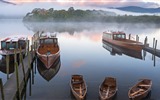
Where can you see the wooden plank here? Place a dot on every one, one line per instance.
(152, 51)
(10, 87)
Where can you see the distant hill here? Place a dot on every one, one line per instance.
(139, 9)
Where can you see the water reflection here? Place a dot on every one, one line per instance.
(48, 74)
(118, 50)
(3, 67)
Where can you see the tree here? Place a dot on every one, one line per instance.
(71, 9)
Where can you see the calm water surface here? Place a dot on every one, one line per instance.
(82, 52)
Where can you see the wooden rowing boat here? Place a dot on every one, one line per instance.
(108, 88)
(119, 39)
(48, 50)
(78, 87)
(140, 90)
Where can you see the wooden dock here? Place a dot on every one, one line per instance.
(10, 87)
(153, 51)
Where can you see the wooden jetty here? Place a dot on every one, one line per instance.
(16, 83)
(152, 51)
(10, 87)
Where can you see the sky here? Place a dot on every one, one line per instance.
(21, 7)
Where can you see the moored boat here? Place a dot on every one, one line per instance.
(11, 44)
(119, 39)
(140, 90)
(48, 49)
(113, 49)
(108, 88)
(78, 87)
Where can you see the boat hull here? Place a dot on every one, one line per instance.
(128, 44)
(48, 60)
(138, 95)
(77, 93)
(108, 89)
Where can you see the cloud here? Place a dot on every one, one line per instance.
(97, 3)
(8, 7)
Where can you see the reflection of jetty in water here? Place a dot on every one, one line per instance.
(48, 74)
(118, 50)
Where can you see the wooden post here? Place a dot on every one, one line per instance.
(137, 38)
(32, 74)
(17, 75)
(153, 42)
(21, 61)
(145, 41)
(35, 65)
(30, 87)
(7, 66)
(153, 48)
(1, 86)
(129, 36)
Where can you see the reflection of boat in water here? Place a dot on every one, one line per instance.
(118, 50)
(119, 39)
(3, 66)
(48, 50)
(46, 73)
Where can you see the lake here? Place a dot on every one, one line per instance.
(83, 52)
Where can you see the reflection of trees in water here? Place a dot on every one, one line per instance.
(72, 27)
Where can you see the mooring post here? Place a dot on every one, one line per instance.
(21, 61)
(153, 48)
(129, 36)
(35, 65)
(30, 86)
(32, 74)
(136, 37)
(153, 42)
(1, 86)
(17, 75)
(7, 66)
(145, 41)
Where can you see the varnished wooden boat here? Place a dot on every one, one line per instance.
(140, 90)
(113, 49)
(108, 88)
(78, 87)
(119, 39)
(48, 50)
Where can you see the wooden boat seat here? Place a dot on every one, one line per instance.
(136, 92)
(144, 85)
(77, 82)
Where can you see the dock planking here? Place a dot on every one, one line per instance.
(10, 87)
(152, 51)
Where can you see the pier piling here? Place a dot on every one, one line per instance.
(7, 66)
(1, 86)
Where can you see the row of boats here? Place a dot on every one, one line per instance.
(48, 49)
(108, 88)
